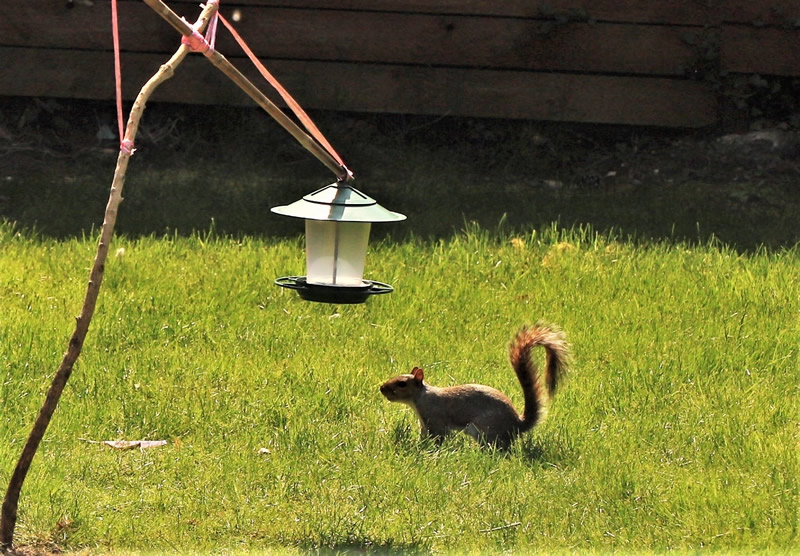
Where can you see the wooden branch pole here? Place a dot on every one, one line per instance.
(226, 67)
(8, 515)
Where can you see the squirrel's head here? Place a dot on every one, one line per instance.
(403, 388)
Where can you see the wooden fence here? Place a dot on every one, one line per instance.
(605, 61)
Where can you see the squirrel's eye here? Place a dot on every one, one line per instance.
(402, 384)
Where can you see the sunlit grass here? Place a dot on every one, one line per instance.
(677, 428)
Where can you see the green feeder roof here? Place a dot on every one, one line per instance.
(341, 203)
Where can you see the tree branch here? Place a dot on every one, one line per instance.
(8, 515)
(225, 66)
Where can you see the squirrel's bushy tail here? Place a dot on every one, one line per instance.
(555, 345)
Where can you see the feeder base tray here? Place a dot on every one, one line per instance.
(323, 293)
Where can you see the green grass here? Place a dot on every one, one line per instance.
(678, 427)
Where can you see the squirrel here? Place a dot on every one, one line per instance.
(486, 414)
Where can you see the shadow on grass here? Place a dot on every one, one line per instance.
(367, 547)
(229, 167)
(547, 453)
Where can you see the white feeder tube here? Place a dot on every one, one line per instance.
(336, 252)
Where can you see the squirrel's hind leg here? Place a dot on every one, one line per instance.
(500, 441)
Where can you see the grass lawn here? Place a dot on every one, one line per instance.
(670, 261)
(677, 428)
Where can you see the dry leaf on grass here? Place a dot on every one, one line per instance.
(129, 444)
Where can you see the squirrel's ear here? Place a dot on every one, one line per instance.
(417, 372)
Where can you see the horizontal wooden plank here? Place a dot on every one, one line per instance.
(465, 41)
(771, 51)
(336, 35)
(380, 88)
(686, 12)
(780, 13)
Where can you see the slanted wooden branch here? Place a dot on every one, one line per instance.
(8, 515)
(221, 63)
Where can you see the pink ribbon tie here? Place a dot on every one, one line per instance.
(126, 146)
(196, 42)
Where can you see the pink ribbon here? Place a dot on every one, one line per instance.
(126, 145)
(287, 98)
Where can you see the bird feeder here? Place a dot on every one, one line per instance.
(338, 219)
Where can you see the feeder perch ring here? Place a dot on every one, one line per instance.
(324, 293)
